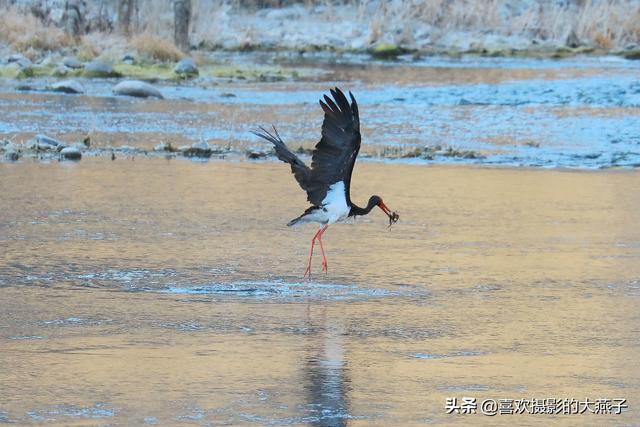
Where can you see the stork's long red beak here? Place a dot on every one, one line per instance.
(393, 217)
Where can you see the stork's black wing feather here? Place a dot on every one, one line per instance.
(298, 168)
(335, 155)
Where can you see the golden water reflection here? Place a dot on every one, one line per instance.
(496, 283)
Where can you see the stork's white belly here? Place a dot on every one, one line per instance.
(334, 205)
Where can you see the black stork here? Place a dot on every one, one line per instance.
(328, 179)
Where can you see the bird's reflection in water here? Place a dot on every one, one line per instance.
(326, 380)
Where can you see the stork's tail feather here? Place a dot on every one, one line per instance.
(282, 151)
(299, 169)
(294, 221)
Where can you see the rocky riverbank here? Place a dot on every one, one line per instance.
(525, 28)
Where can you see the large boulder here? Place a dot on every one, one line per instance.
(186, 68)
(136, 88)
(99, 69)
(67, 86)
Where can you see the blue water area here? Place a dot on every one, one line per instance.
(586, 117)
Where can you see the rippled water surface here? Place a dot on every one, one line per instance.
(153, 291)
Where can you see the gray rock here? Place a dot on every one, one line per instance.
(199, 149)
(20, 60)
(572, 40)
(42, 143)
(136, 88)
(186, 67)
(67, 86)
(129, 58)
(44, 139)
(254, 155)
(25, 87)
(11, 156)
(99, 69)
(71, 153)
(72, 62)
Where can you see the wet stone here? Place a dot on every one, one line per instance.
(199, 149)
(137, 89)
(255, 155)
(20, 60)
(186, 68)
(99, 69)
(43, 142)
(11, 155)
(25, 88)
(71, 153)
(129, 58)
(67, 86)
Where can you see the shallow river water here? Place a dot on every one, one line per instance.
(154, 291)
(582, 113)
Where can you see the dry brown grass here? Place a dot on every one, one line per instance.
(24, 32)
(603, 23)
(607, 24)
(155, 47)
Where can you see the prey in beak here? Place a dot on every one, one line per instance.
(393, 216)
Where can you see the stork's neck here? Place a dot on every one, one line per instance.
(357, 210)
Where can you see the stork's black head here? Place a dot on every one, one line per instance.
(377, 201)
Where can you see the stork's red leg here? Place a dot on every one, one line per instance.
(317, 236)
(308, 270)
(324, 258)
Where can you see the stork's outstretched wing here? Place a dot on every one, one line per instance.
(334, 156)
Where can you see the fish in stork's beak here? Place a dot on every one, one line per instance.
(393, 216)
